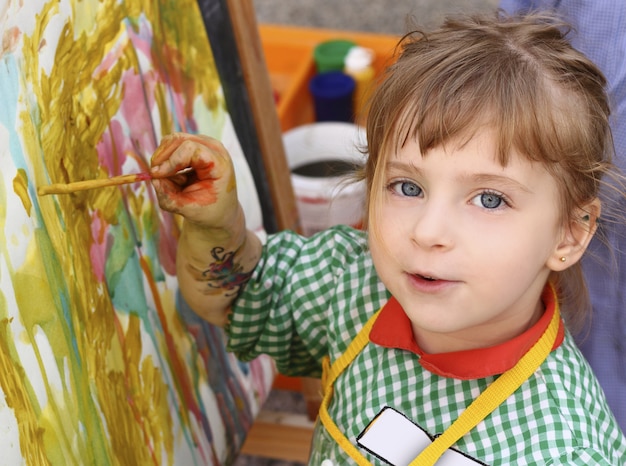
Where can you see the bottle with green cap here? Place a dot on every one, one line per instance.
(330, 55)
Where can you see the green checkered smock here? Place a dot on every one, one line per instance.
(309, 297)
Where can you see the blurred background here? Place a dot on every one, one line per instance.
(378, 16)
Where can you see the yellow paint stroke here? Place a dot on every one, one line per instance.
(115, 402)
(20, 186)
(185, 59)
(149, 398)
(13, 375)
(67, 139)
(75, 111)
(30, 283)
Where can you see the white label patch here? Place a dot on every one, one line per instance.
(394, 438)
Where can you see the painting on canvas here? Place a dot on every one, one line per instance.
(101, 362)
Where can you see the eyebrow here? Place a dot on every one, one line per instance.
(498, 179)
(475, 178)
(403, 166)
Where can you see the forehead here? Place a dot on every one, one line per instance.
(474, 159)
(480, 143)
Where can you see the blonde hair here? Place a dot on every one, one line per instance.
(518, 75)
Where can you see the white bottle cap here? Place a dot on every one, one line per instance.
(358, 58)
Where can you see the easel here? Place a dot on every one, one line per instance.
(232, 25)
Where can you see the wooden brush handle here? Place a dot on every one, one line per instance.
(68, 188)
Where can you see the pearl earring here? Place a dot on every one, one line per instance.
(563, 259)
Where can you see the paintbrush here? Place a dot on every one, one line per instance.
(68, 188)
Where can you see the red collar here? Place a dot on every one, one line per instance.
(393, 329)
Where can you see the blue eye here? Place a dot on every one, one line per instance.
(489, 200)
(406, 188)
(410, 189)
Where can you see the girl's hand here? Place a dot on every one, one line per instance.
(216, 254)
(207, 195)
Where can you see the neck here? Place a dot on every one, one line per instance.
(479, 336)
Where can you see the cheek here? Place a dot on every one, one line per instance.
(518, 257)
(382, 260)
(375, 246)
(386, 231)
(387, 243)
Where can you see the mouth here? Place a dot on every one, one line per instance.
(428, 278)
(429, 283)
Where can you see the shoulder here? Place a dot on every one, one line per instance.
(313, 266)
(566, 370)
(584, 457)
(339, 245)
(577, 403)
(341, 236)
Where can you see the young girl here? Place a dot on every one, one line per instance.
(487, 141)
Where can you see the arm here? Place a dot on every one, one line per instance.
(216, 253)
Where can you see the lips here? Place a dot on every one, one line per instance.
(428, 278)
(424, 276)
(429, 283)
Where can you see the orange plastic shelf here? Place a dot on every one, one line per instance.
(289, 57)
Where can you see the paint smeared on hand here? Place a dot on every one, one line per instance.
(224, 275)
(144, 176)
(210, 183)
(198, 186)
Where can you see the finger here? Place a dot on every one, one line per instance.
(182, 150)
(182, 179)
(170, 142)
(168, 145)
(213, 171)
(211, 143)
(163, 161)
(166, 187)
(164, 197)
(209, 161)
(174, 193)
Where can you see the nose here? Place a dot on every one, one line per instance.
(432, 226)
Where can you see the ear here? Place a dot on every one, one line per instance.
(576, 236)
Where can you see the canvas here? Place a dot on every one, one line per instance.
(101, 362)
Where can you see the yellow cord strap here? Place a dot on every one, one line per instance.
(493, 396)
(480, 408)
(329, 375)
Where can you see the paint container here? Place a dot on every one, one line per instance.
(322, 158)
(333, 96)
(329, 55)
(358, 64)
